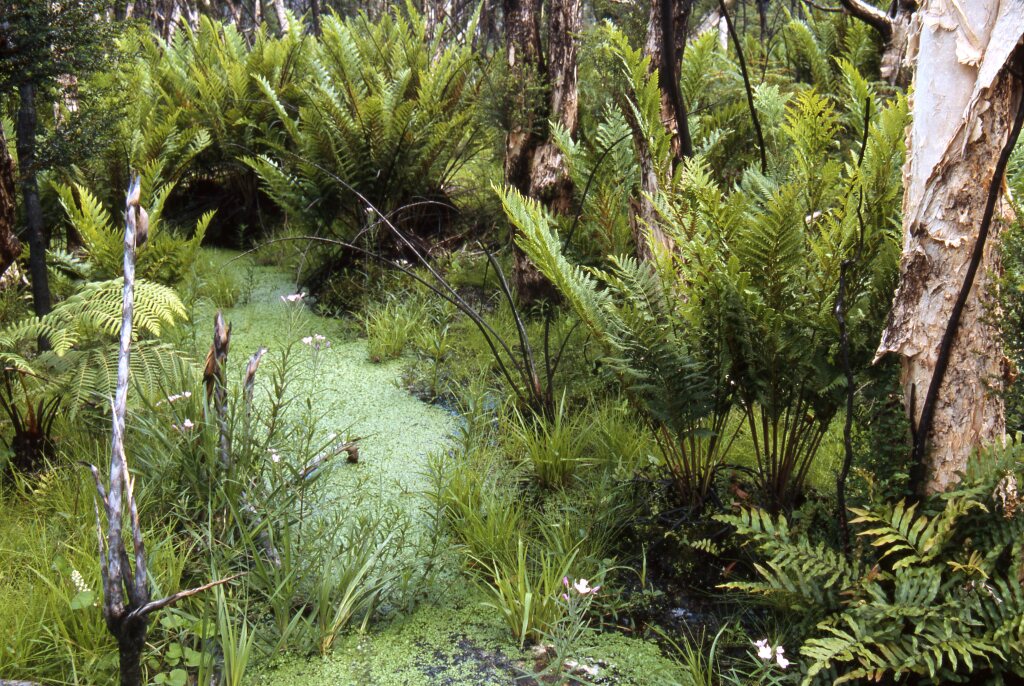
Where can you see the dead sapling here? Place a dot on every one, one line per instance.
(127, 604)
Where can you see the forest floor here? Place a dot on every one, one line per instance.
(450, 637)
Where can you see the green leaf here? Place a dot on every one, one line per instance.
(83, 600)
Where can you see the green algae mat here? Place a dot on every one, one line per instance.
(452, 637)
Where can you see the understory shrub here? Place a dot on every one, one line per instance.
(931, 591)
(389, 119)
(733, 314)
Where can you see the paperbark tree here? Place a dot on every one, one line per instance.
(549, 177)
(665, 40)
(967, 91)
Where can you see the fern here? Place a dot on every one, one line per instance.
(165, 257)
(80, 365)
(935, 592)
(387, 116)
(740, 317)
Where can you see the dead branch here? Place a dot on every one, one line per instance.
(350, 447)
(126, 601)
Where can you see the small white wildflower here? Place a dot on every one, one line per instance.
(583, 587)
(307, 340)
(764, 651)
(780, 658)
(274, 457)
(79, 582)
(293, 298)
(185, 425)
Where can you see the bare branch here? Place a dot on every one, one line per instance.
(822, 8)
(99, 481)
(870, 15)
(349, 446)
(155, 605)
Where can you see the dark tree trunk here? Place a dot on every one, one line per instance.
(38, 237)
(131, 641)
(522, 53)
(10, 248)
(762, 16)
(526, 73)
(549, 177)
(533, 163)
(314, 13)
(667, 22)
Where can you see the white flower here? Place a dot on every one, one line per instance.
(780, 658)
(318, 337)
(764, 651)
(274, 456)
(79, 582)
(582, 587)
(308, 340)
(293, 298)
(176, 397)
(185, 425)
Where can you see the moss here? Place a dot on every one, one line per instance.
(460, 643)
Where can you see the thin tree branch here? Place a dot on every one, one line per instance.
(746, 85)
(155, 605)
(870, 15)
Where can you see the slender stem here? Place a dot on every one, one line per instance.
(746, 85)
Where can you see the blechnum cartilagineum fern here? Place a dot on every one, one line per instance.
(387, 113)
(197, 107)
(934, 589)
(734, 323)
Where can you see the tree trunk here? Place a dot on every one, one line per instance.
(522, 53)
(549, 177)
(314, 14)
(526, 72)
(10, 248)
(667, 22)
(895, 68)
(131, 641)
(963, 102)
(895, 29)
(38, 238)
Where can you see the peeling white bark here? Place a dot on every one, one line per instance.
(963, 104)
